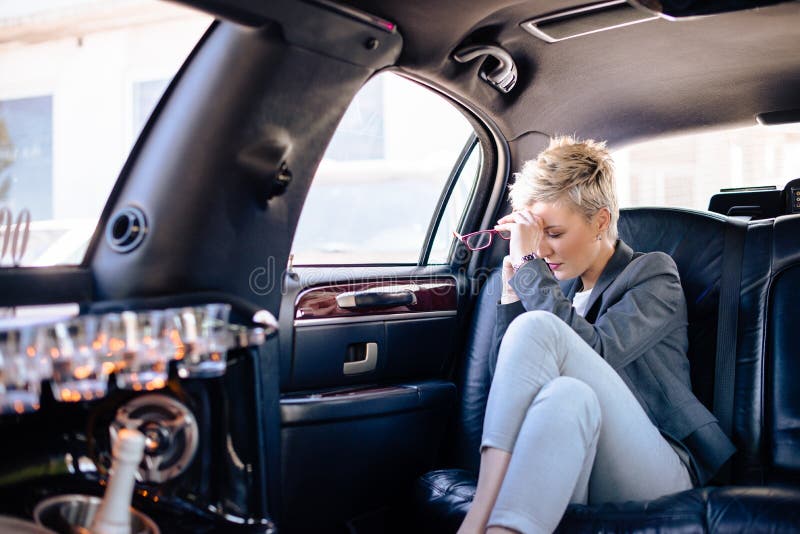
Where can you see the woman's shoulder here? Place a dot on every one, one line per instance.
(652, 263)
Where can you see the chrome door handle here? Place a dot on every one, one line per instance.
(375, 299)
(363, 366)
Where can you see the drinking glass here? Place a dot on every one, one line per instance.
(77, 373)
(146, 368)
(21, 371)
(110, 345)
(205, 332)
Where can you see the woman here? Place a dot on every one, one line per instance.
(591, 397)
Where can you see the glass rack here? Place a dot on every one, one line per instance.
(78, 355)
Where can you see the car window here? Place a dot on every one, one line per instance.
(685, 171)
(377, 188)
(67, 125)
(457, 202)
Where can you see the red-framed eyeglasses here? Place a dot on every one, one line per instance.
(482, 238)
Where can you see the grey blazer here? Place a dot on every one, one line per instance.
(636, 320)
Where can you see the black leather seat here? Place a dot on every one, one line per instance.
(445, 497)
(764, 488)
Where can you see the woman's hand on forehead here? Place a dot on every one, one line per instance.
(521, 216)
(526, 231)
(514, 216)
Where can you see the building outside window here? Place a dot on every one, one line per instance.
(79, 80)
(26, 155)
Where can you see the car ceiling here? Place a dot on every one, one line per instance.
(623, 84)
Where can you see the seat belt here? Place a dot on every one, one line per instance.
(728, 328)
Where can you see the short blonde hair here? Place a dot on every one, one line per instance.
(581, 172)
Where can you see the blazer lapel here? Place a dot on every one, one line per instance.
(570, 287)
(619, 260)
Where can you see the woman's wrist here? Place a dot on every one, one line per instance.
(523, 260)
(508, 295)
(508, 298)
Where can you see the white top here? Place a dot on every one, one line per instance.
(580, 301)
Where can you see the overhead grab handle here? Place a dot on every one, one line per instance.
(503, 76)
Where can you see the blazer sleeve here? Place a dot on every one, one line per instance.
(651, 306)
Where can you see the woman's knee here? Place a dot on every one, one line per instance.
(575, 401)
(542, 318)
(531, 333)
(535, 324)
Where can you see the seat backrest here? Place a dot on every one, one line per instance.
(695, 240)
(473, 378)
(781, 423)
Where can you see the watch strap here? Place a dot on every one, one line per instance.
(525, 259)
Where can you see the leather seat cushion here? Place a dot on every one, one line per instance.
(443, 497)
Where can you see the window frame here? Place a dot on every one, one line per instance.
(447, 192)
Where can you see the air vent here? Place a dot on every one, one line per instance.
(126, 229)
(585, 20)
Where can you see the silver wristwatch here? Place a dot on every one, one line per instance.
(525, 259)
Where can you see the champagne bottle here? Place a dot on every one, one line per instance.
(114, 515)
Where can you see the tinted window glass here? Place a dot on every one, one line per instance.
(378, 185)
(456, 205)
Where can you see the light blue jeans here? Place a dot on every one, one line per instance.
(574, 429)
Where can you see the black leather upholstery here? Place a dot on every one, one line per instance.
(748, 403)
(443, 498)
(766, 402)
(782, 410)
(474, 375)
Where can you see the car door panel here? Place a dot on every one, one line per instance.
(406, 341)
(320, 353)
(379, 427)
(355, 451)
(431, 296)
(355, 402)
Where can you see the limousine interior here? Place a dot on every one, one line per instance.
(279, 390)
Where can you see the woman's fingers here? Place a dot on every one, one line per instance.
(518, 216)
(526, 232)
(520, 222)
(524, 215)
